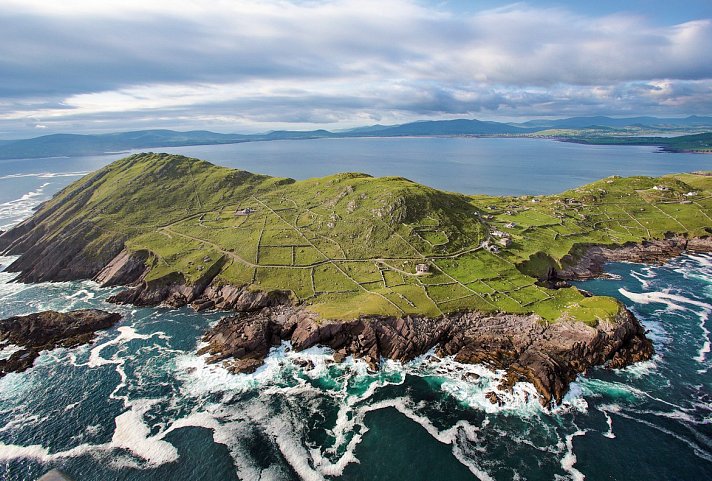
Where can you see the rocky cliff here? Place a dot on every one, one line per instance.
(588, 261)
(47, 330)
(548, 355)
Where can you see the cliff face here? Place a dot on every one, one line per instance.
(129, 269)
(548, 355)
(58, 243)
(48, 330)
(589, 262)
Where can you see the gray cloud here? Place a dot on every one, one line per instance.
(258, 65)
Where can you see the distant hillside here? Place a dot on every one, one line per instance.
(684, 143)
(601, 121)
(58, 145)
(604, 130)
(446, 127)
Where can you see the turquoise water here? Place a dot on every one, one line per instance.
(138, 404)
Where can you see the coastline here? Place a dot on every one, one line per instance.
(550, 356)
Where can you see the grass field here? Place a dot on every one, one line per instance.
(348, 245)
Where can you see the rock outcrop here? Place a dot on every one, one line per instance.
(47, 330)
(126, 268)
(550, 356)
(588, 262)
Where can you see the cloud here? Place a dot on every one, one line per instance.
(86, 64)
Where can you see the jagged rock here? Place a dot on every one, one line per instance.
(494, 398)
(550, 356)
(590, 261)
(126, 268)
(48, 330)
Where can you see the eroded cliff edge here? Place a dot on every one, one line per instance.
(586, 262)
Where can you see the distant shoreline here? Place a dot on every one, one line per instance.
(663, 143)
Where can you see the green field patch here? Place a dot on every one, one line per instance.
(350, 306)
(296, 280)
(236, 274)
(567, 229)
(506, 303)
(361, 271)
(393, 278)
(305, 256)
(688, 215)
(529, 217)
(329, 247)
(404, 304)
(440, 294)
(468, 303)
(305, 219)
(529, 295)
(552, 309)
(242, 242)
(592, 310)
(373, 286)
(282, 236)
(493, 265)
(417, 296)
(434, 238)
(468, 267)
(280, 256)
(481, 288)
(655, 221)
(328, 278)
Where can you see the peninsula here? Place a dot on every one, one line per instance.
(372, 267)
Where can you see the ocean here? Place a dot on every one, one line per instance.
(138, 404)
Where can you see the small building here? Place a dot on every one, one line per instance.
(499, 233)
(493, 249)
(245, 211)
(691, 194)
(422, 268)
(535, 201)
(510, 225)
(505, 242)
(661, 188)
(509, 212)
(488, 217)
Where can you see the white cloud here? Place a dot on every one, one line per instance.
(337, 62)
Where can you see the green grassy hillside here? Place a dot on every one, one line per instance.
(348, 244)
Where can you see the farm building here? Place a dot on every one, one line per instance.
(422, 268)
(245, 211)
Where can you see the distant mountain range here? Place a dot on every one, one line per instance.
(58, 145)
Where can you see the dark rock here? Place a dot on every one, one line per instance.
(550, 356)
(494, 398)
(126, 268)
(306, 364)
(48, 330)
(588, 262)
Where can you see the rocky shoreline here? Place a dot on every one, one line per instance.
(588, 262)
(48, 330)
(550, 356)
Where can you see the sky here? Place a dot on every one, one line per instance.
(87, 66)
